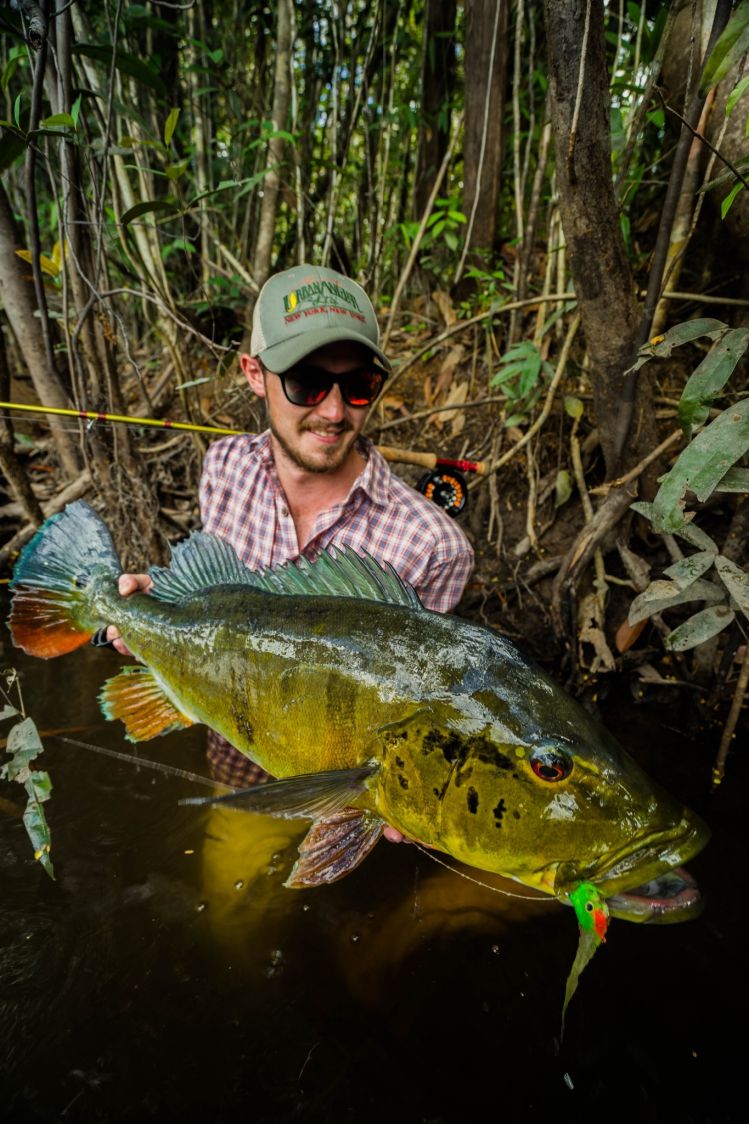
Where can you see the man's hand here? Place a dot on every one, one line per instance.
(127, 584)
(394, 836)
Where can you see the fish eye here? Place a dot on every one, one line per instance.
(551, 765)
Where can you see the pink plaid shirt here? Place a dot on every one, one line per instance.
(241, 501)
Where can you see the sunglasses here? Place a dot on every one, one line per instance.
(305, 385)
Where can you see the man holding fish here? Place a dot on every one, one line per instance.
(311, 480)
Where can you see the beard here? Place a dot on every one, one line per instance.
(331, 459)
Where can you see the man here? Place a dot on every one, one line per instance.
(311, 480)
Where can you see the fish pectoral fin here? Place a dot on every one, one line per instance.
(333, 847)
(136, 697)
(310, 796)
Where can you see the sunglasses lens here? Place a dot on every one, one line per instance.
(361, 387)
(306, 386)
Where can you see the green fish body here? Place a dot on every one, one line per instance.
(377, 711)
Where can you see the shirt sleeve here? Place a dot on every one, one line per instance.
(443, 585)
(205, 490)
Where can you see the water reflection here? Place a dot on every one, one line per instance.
(167, 972)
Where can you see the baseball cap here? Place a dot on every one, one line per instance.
(306, 307)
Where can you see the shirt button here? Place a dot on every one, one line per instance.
(284, 511)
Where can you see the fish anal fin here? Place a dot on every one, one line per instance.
(333, 847)
(137, 699)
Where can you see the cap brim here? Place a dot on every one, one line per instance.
(280, 356)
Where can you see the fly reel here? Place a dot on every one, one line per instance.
(445, 487)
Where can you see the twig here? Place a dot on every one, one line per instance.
(633, 473)
(578, 98)
(719, 768)
(406, 271)
(73, 492)
(438, 410)
(701, 137)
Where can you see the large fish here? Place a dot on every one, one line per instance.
(375, 710)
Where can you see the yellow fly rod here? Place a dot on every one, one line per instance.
(402, 456)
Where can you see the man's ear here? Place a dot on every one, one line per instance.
(253, 372)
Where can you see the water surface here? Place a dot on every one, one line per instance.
(168, 975)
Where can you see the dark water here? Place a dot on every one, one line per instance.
(166, 974)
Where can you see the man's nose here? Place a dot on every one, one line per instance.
(332, 407)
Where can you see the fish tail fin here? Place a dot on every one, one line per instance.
(52, 612)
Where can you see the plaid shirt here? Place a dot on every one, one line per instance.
(241, 501)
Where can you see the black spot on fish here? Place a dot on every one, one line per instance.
(473, 801)
(516, 815)
(462, 776)
(489, 754)
(402, 781)
(400, 763)
(242, 723)
(453, 747)
(499, 812)
(436, 792)
(515, 777)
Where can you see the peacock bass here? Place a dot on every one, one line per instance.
(371, 709)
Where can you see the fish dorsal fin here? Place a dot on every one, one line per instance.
(340, 572)
(204, 560)
(199, 562)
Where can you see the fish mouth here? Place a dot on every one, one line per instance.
(645, 881)
(665, 900)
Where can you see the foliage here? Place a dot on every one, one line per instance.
(706, 465)
(521, 375)
(24, 745)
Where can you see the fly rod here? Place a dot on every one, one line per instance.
(401, 456)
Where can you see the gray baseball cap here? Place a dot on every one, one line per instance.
(306, 307)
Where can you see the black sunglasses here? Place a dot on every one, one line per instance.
(305, 385)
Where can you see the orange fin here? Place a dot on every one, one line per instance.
(136, 697)
(333, 847)
(41, 623)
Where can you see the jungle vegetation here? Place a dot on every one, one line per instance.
(547, 204)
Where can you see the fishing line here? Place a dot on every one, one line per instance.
(484, 885)
(171, 770)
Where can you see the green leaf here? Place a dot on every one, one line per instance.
(10, 68)
(58, 119)
(707, 380)
(662, 346)
(75, 110)
(174, 171)
(171, 125)
(574, 407)
(735, 94)
(39, 786)
(735, 580)
(728, 201)
(8, 711)
(17, 110)
(23, 745)
(687, 570)
(126, 64)
(662, 595)
(699, 628)
(735, 480)
(149, 206)
(731, 45)
(562, 487)
(702, 465)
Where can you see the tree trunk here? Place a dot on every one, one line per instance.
(485, 79)
(261, 262)
(603, 280)
(17, 298)
(437, 80)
